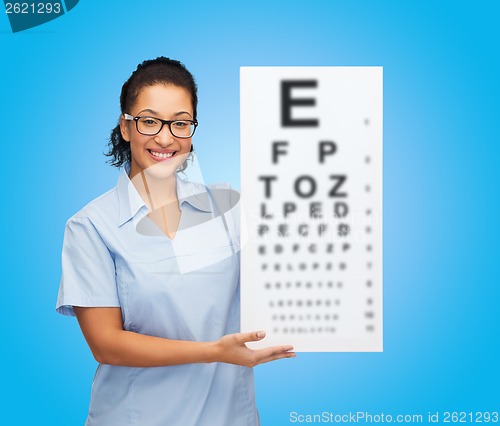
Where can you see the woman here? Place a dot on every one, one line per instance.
(151, 271)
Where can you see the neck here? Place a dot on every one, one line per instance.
(155, 191)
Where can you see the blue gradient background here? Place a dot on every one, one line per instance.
(60, 85)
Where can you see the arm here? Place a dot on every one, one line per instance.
(110, 344)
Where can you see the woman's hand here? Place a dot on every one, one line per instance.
(232, 349)
(110, 344)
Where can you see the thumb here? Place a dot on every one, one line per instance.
(252, 336)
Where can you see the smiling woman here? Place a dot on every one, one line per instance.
(150, 140)
(151, 271)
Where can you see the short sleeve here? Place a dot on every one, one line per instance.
(88, 269)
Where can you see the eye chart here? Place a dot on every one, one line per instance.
(311, 200)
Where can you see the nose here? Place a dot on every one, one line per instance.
(165, 137)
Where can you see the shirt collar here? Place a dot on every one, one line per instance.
(193, 193)
(130, 202)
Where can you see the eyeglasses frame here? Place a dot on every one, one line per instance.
(129, 117)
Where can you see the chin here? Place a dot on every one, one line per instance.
(167, 168)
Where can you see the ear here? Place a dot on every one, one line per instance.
(124, 129)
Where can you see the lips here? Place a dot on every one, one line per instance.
(161, 155)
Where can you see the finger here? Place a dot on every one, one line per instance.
(277, 357)
(253, 336)
(273, 352)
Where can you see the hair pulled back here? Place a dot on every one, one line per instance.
(161, 70)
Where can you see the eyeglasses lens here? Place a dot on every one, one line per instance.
(151, 126)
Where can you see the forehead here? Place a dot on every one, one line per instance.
(165, 99)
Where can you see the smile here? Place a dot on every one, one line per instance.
(161, 155)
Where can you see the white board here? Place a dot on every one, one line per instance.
(311, 199)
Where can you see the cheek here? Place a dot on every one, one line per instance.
(186, 145)
(137, 142)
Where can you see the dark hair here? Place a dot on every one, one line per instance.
(154, 71)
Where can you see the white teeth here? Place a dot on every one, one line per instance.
(162, 155)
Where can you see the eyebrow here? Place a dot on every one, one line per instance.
(157, 113)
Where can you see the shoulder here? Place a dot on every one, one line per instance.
(103, 208)
(225, 196)
(222, 195)
(220, 185)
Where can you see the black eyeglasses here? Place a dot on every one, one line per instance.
(151, 126)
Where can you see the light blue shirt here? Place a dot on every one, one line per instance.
(186, 288)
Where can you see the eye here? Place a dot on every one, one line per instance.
(181, 124)
(149, 121)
